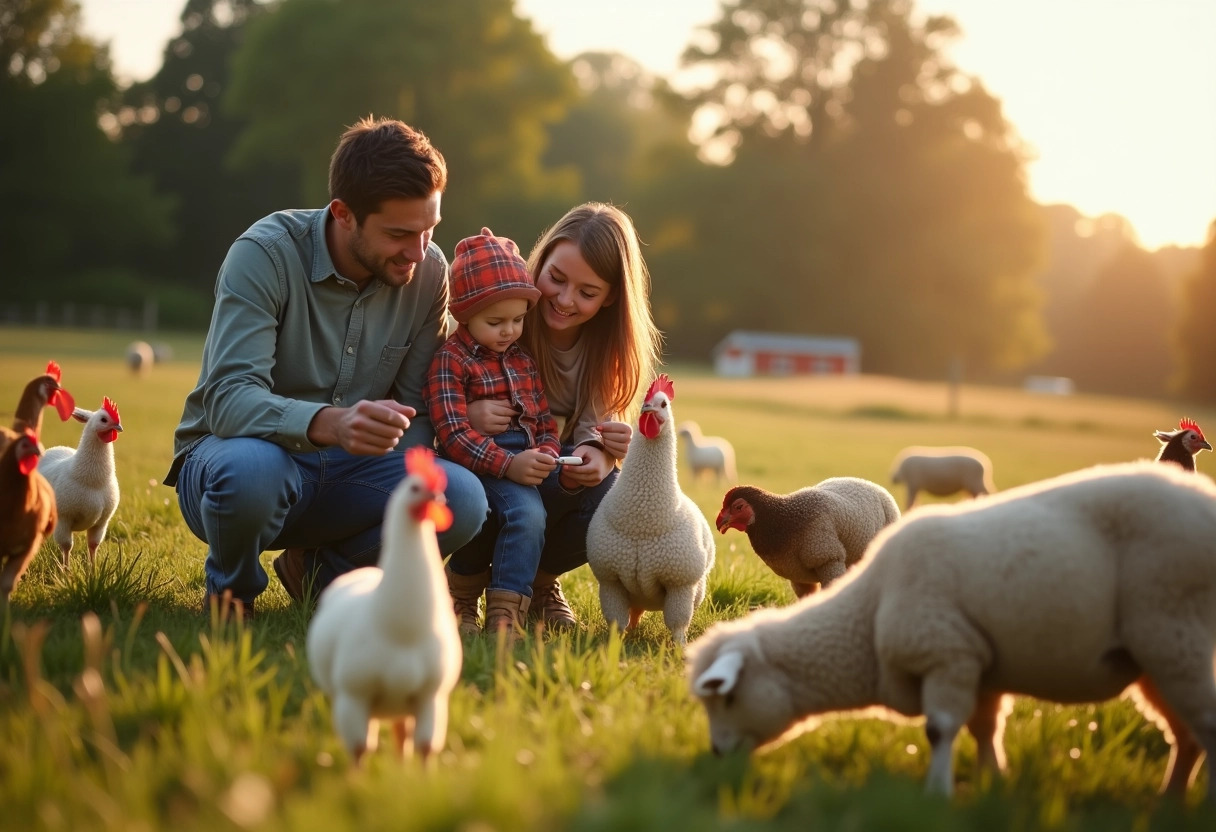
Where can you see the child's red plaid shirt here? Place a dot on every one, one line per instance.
(464, 371)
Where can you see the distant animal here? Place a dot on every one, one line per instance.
(27, 510)
(36, 395)
(712, 454)
(383, 642)
(1182, 445)
(648, 544)
(942, 472)
(812, 536)
(84, 479)
(140, 357)
(1072, 589)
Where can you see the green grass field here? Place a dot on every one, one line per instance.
(150, 717)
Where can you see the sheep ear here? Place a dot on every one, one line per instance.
(81, 415)
(721, 676)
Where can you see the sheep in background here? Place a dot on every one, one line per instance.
(383, 642)
(942, 471)
(140, 357)
(648, 545)
(1183, 445)
(707, 453)
(1072, 590)
(810, 537)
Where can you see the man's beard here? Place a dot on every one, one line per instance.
(366, 258)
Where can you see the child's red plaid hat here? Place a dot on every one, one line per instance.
(485, 270)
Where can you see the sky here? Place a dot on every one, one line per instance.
(1116, 98)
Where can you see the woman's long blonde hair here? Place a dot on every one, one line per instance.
(627, 343)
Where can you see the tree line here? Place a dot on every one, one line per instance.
(842, 176)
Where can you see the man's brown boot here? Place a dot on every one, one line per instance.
(549, 604)
(506, 610)
(466, 596)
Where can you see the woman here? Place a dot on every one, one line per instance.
(595, 345)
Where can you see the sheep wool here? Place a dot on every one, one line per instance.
(1073, 589)
(812, 536)
(648, 545)
(942, 471)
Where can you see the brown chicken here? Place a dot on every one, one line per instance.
(27, 510)
(1182, 445)
(38, 393)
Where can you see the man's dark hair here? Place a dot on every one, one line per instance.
(383, 158)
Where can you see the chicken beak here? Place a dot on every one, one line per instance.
(723, 521)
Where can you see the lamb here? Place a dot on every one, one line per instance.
(1073, 589)
(1183, 445)
(648, 544)
(812, 536)
(140, 357)
(383, 642)
(85, 483)
(707, 453)
(942, 472)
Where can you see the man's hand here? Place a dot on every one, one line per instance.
(490, 417)
(530, 467)
(368, 428)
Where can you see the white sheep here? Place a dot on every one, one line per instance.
(1072, 590)
(140, 357)
(383, 643)
(942, 471)
(707, 453)
(648, 544)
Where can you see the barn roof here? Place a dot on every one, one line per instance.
(788, 343)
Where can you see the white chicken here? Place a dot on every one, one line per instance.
(383, 643)
(85, 483)
(648, 544)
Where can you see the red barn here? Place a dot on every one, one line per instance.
(777, 354)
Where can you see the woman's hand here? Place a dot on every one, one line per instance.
(616, 436)
(597, 465)
(491, 416)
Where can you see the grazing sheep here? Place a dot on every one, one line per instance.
(942, 471)
(810, 537)
(648, 544)
(707, 453)
(1071, 590)
(140, 357)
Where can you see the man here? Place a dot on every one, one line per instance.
(325, 323)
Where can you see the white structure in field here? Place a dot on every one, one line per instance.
(744, 353)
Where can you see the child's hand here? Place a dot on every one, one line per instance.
(490, 417)
(615, 436)
(530, 467)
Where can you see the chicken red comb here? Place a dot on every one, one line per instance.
(1189, 424)
(29, 462)
(420, 462)
(111, 408)
(662, 384)
(52, 370)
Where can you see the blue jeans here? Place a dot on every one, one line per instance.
(567, 515)
(520, 534)
(243, 496)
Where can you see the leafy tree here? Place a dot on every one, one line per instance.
(884, 194)
(181, 136)
(471, 74)
(1118, 341)
(1196, 334)
(71, 210)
